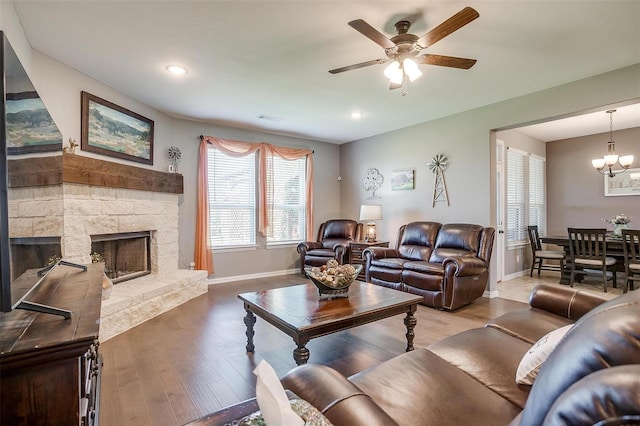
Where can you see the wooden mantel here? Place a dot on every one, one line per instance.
(78, 169)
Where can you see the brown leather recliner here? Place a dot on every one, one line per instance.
(332, 243)
(446, 264)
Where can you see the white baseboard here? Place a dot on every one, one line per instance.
(514, 275)
(490, 294)
(212, 281)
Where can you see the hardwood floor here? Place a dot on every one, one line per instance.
(191, 360)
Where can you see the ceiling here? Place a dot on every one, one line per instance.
(251, 58)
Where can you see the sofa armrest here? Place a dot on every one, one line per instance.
(464, 266)
(565, 302)
(379, 253)
(307, 246)
(341, 250)
(339, 400)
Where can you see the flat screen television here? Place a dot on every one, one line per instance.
(27, 130)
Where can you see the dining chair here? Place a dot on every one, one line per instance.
(588, 254)
(631, 252)
(539, 255)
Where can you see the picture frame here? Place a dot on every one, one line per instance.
(403, 179)
(112, 130)
(29, 126)
(621, 184)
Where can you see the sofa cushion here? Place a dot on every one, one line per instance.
(425, 267)
(490, 357)
(416, 240)
(528, 325)
(420, 388)
(390, 262)
(538, 354)
(463, 238)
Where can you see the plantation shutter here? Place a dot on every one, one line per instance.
(537, 200)
(516, 231)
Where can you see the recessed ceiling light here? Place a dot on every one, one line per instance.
(176, 69)
(357, 114)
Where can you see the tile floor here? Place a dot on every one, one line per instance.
(520, 288)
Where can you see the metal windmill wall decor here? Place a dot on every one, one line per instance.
(438, 165)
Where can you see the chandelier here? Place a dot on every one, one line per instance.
(605, 165)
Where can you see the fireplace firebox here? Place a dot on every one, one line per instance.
(126, 255)
(33, 253)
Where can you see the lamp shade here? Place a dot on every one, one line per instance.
(370, 212)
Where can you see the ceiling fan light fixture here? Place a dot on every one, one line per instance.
(392, 70)
(411, 69)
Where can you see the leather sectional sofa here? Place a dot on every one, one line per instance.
(592, 375)
(446, 264)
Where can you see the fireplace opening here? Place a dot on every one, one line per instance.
(33, 253)
(125, 255)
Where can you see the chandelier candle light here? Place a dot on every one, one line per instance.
(604, 165)
(371, 212)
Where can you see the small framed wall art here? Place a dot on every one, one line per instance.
(402, 179)
(622, 183)
(115, 131)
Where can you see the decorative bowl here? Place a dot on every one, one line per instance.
(330, 286)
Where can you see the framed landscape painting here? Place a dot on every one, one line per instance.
(621, 183)
(111, 130)
(402, 179)
(30, 127)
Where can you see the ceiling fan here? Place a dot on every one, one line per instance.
(404, 50)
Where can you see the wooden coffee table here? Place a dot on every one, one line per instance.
(299, 312)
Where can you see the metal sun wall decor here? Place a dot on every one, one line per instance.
(438, 165)
(373, 180)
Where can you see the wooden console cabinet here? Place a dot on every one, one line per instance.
(50, 366)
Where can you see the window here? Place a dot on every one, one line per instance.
(515, 196)
(526, 197)
(537, 202)
(232, 199)
(287, 219)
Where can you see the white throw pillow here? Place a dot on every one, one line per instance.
(532, 360)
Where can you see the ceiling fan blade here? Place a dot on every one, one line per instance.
(447, 61)
(368, 31)
(452, 24)
(356, 66)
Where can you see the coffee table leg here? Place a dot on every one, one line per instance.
(410, 322)
(249, 321)
(301, 353)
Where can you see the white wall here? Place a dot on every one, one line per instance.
(469, 140)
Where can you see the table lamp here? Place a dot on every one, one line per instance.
(370, 212)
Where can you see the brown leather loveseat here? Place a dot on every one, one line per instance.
(591, 377)
(446, 264)
(333, 241)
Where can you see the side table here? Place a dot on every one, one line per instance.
(355, 253)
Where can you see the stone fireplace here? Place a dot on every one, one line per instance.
(88, 209)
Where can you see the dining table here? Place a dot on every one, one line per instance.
(614, 249)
